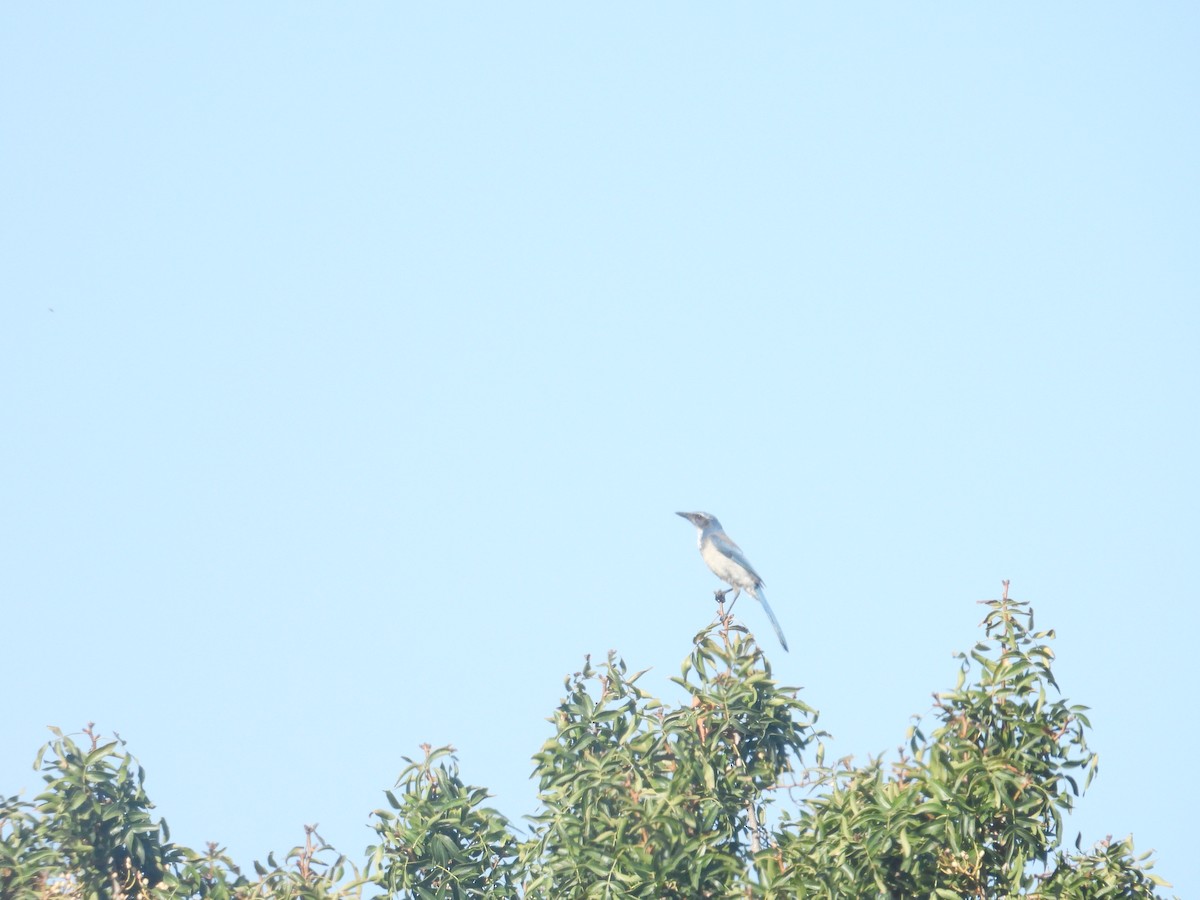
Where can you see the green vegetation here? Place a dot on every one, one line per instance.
(638, 798)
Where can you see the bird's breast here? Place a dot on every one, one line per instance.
(725, 568)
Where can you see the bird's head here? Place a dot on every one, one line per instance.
(701, 520)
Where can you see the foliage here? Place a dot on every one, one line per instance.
(90, 836)
(440, 841)
(641, 801)
(638, 798)
(978, 802)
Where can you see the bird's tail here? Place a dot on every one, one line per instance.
(762, 598)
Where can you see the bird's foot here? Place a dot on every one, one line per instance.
(725, 616)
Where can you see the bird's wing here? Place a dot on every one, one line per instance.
(728, 548)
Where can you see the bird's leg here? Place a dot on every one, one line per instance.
(722, 616)
(733, 601)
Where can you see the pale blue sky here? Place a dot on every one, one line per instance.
(387, 339)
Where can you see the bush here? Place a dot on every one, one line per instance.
(637, 798)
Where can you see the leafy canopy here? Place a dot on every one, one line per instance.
(724, 795)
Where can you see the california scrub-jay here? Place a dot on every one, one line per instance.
(725, 558)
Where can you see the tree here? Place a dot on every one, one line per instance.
(639, 798)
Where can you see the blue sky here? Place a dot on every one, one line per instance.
(356, 358)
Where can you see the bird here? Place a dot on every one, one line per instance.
(728, 563)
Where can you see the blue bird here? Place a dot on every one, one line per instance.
(727, 562)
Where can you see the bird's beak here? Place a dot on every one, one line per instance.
(687, 516)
